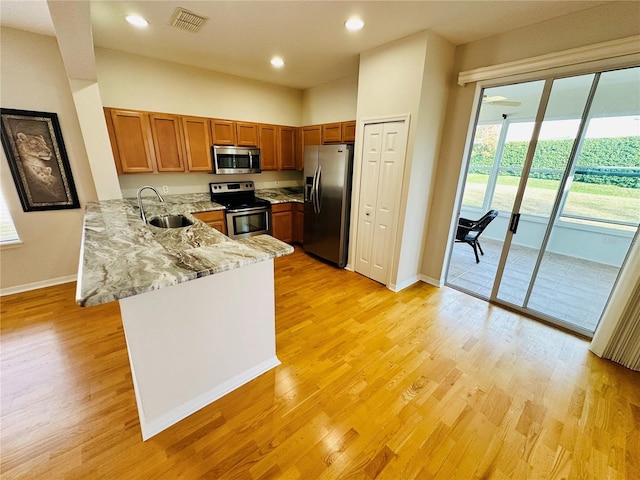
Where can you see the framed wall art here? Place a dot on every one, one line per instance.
(35, 150)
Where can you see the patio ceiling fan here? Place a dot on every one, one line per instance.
(499, 100)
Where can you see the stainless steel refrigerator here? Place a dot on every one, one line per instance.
(327, 201)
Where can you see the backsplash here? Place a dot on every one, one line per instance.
(182, 183)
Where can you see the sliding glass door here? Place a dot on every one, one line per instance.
(561, 164)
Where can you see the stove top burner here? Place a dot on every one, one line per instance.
(236, 195)
(232, 203)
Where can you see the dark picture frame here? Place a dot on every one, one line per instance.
(34, 147)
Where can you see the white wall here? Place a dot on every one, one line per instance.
(429, 123)
(600, 24)
(131, 81)
(409, 76)
(330, 102)
(33, 78)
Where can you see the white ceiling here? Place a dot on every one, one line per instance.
(241, 36)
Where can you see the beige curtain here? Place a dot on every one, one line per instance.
(618, 334)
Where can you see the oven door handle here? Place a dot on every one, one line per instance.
(247, 210)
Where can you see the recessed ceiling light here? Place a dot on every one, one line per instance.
(277, 62)
(137, 21)
(354, 24)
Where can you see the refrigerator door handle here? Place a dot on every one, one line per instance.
(314, 191)
(319, 189)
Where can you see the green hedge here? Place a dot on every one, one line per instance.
(597, 154)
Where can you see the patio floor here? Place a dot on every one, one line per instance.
(567, 288)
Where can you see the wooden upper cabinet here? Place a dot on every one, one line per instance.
(223, 132)
(247, 134)
(287, 148)
(311, 135)
(167, 142)
(332, 133)
(112, 140)
(349, 131)
(133, 141)
(197, 141)
(269, 147)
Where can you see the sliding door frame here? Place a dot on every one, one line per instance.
(596, 68)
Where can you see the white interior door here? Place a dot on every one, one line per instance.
(382, 166)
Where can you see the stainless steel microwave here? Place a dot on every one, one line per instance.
(231, 160)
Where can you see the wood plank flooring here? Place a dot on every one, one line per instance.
(427, 383)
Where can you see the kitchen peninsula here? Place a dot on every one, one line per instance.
(197, 307)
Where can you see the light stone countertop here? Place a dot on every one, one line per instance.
(121, 256)
(281, 195)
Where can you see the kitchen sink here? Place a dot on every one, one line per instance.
(170, 221)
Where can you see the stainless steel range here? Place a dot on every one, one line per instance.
(246, 214)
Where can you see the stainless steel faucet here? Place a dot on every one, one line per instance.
(142, 215)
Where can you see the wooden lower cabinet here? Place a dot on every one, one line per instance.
(288, 221)
(282, 221)
(214, 218)
(298, 222)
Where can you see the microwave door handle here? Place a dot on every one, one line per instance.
(250, 160)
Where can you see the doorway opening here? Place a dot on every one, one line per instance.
(559, 159)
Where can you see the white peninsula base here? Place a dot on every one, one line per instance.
(194, 342)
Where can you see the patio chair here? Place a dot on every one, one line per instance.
(469, 231)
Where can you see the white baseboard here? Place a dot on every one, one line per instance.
(432, 281)
(401, 286)
(35, 285)
(170, 418)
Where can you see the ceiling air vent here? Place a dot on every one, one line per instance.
(186, 20)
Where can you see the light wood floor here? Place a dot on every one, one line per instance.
(426, 383)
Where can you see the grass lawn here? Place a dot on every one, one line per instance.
(586, 199)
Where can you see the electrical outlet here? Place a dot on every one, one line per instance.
(165, 189)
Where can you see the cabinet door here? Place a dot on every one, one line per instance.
(311, 135)
(349, 131)
(214, 218)
(287, 148)
(299, 223)
(112, 140)
(268, 147)
(223, 132)
(282, 222)
(247, 134)
(132, 134)
(167, 142)
(197, 143)
(332, 133)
